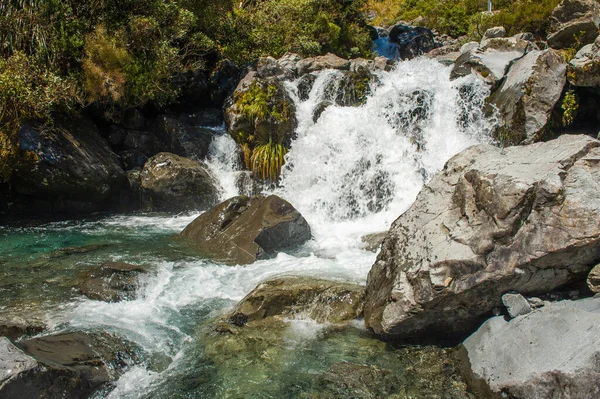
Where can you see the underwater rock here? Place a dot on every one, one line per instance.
(493, 220)
(299, 297)
(550, 353)
(69, 365)
(173, 183)
(574, 23)
(112, 282)
(244, 229)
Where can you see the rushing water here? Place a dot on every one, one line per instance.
(350, 173)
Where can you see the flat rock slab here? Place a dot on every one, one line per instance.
(553, 352)
(494, 220)
(244, 229)
(13, 362)
(112, 281)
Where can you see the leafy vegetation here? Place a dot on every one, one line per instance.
(569, 106)
(466, 17)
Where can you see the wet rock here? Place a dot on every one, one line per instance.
(584, 69)
(112, 282)
(328, 61)
(574, 22)
(349, 380)
(268, 67)
(516, 304)
(374, 241)
(69, 251)
(132, 159)
(14, 327)
(319, 109)
(494, 220)
(446, 55)
(143, 142)
(194, 88)
(593, 280)
(491, 59)
(222, 81)
(131, 196)
(305, 86)
(173, 183)
(553, 352)
(13, 364)
(183, 139)
(208, 117)
(298, 297)
(411, 41)
(492, 33)
(70, 366)
(69, 166)
(352, 88)
(528, 95)
(244, 229)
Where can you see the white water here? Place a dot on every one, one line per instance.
(351, 173)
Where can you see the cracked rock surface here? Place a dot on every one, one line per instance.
(494, 220)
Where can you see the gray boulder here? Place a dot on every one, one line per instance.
(244, 229)
(574, 22)
(291, 297)
(516, 304)
(173, 183)
(528, 95)
(553, 352)
(13, 362)
(491, 59)
(492, 33)
(593, 280)
(493, 220)
(584, 69)
(328, 61)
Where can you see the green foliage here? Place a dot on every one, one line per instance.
(569, 106)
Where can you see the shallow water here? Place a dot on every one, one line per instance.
(351, 173)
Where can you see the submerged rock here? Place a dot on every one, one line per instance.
(69, 366)
(528, 96)
(320, 300)
(493, 220)
(550, 353)
(173, 183)
(14, 327)
(574, 22)
(112, 282)
(244, 229)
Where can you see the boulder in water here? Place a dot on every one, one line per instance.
(68, 167)
(244, 229)
(411, 41)
(550, 353)
(528, 95)
(112, 282)
(70, 365)
(293, 297)
(173, 183)
(574, 22)
(493, 220)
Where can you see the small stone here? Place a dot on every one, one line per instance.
(535, 302)
(516, 304)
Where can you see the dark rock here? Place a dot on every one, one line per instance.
(134, 120)
(291, 297)
(528, 96)
(132, 159)
(551, 353)
(142, 142)
(349, 380)
(116, 136)
(411, 41)
(268, 67)
(131, 196)
(494, 220)
(352, 89)
(319, 109)
(223, 80)
(305, 86)
(516, 304)
(209, 117)
(69, 366)
(173, 183)
(112, 282)
(183, 139)
(574, 22)
(194, 88)
(68, 166)
(69, 251)
(244, 229)
(15, 327)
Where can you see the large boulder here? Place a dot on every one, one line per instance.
(328, 61)
(553, 352)
(584, 69)
(574, 22)
(491, 59)
(320, 300)
(173, 183)
(494, 220)
(244, 229)
(528, 96)
(112, 281)
(68, 166)
(411, 41)
(222, 81)
(70, 365)
(180, 136)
